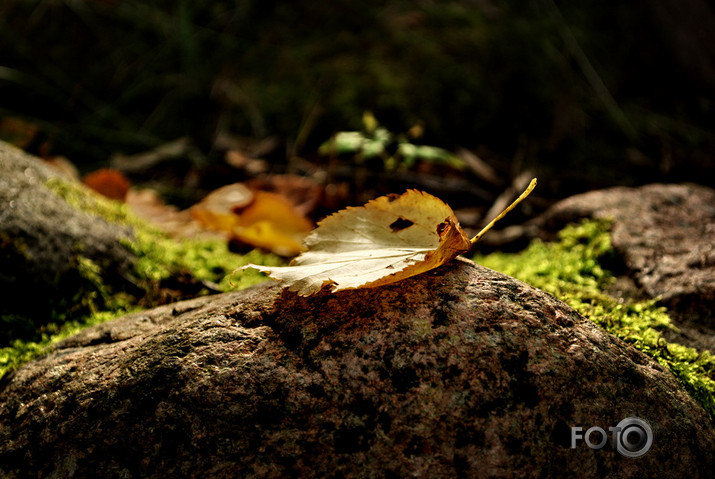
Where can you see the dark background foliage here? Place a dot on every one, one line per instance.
(588, 94)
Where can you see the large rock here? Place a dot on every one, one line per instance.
(73, 253)
(43, 242)
(664, 236)
(459, 372)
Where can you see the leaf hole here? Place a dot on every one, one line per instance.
(400, 224)
(442, 227)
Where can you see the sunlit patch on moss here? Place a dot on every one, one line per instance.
(571, 269)
(86, 200)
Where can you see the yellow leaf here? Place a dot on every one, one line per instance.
(271, 222)
(274, 208)
(263, 219)
(216, 211)
(388, 239)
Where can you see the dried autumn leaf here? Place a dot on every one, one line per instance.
(304, 193)
(216, 211)
(108, 182)
(263, 219)
(271, 222)
(148, 205)
(389, 239)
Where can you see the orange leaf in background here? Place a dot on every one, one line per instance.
(262, 219)
(108, 182)
(273, 208)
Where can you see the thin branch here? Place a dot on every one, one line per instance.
(501, 215)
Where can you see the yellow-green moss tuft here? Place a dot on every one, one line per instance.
(159, 256)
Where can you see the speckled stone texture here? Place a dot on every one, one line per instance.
(459, 372)
(665, 236)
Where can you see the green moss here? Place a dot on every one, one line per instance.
(160, 257)
(16, 245)
(206, 264)
(85, 200)
(22, 351)
(572, 270)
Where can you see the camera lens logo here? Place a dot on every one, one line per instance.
(632, 437)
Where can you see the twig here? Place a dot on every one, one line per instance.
(501, 215)
(503, 200)
(479, 167)
(148, 159)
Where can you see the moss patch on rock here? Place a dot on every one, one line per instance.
(160, 257)
(165, 270)
(572, 269)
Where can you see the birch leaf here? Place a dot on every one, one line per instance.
(388, 239)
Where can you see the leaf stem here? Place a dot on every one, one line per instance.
(501, 215)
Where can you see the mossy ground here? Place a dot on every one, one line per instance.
(572, 270)
(159, 259)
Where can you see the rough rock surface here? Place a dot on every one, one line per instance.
(41, 238)
(664, 236)
(459, 372)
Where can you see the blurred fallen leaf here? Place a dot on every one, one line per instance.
(304, 193)
(388, 239)
(271, 222)
(148, 205)
(262, 219)
(216, 210)
(108, 182)
(64, 166)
